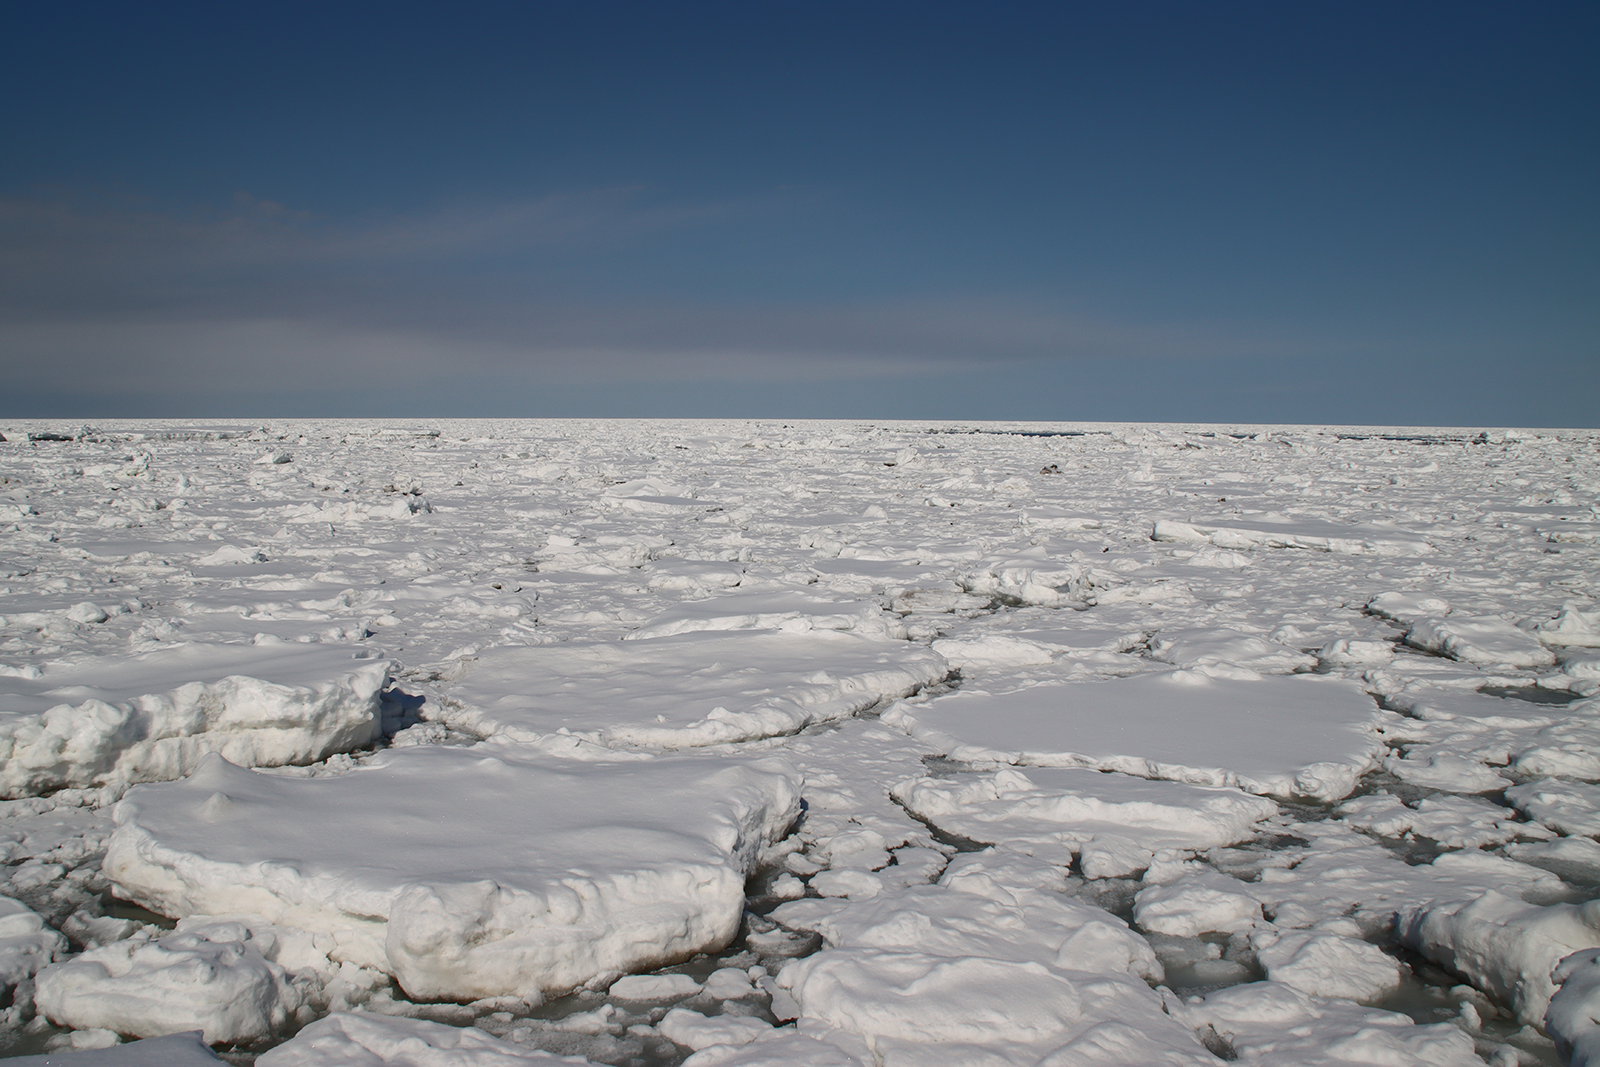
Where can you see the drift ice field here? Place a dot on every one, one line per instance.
(744, 744)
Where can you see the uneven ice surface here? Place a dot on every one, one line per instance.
(750, 743)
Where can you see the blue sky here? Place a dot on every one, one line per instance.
(1351, 213)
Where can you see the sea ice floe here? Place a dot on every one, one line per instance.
(1275, 735)
(1281, 531)
(1573, 1018)
(693, 1030)
(187, 1049)
(26, 943)
(1227, 648)
(211, 980)
(467, 872)
(1484, 639)
(1003, 908)
(683, 691)
(1274, 1023)
(1575, 627)
(111, 720)
(1565, 806)
(1506, 947)
(1326, 964)
(777, 609)
(1054, 813)
(351, 1040)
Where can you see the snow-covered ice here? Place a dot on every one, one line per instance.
(629, 866)
(110, 720)
(1276, 735)
(749, 743)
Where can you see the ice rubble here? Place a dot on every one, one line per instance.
(1277, 735)
(629, 866)
(111, 720)
(685, 690)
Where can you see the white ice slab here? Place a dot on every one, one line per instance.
(348, 1040)
(781, 609)
(1275, 735)
(1273, 1023)
(1053, 813)
(1280, 531)
(213, 982)
(1508, 948)
(174, 1050)
(686, 690)
(26, 943)
(467, 872)
(114, 719)
(1486, 639)
(1216, 647)
(1566, 807)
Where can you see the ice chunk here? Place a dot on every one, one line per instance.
(1326, 964)
(111, 720)
(347, 1040)
(1406, 608)
(1280, 736)
(173, 1050)
(693, 1030)
(983, 908)
(1211, 648)
(408, 860)
(211, 981)
(26, 943)
(1486, 639)
(1577, 859)
(1567, 807)
(1506, 947)
(1052, 813)
(1573, 1018)
(1198, 901)
(1573, 628)
(779, 1048)
(1278, 531)
(1270, 1022)
(916, 997)
(786, 609)
(683, 691)
(654, 987)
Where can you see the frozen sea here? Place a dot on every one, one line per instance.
(748, 743)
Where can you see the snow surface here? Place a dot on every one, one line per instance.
(746, 743)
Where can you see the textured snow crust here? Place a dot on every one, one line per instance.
(747, 743)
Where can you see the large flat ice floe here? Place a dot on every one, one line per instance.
(1282, 531)
(686, 690)
(1276, 735)
(110, 720)
(1115, 822)
(467, 872)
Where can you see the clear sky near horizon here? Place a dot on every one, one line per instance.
(1372, 213)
